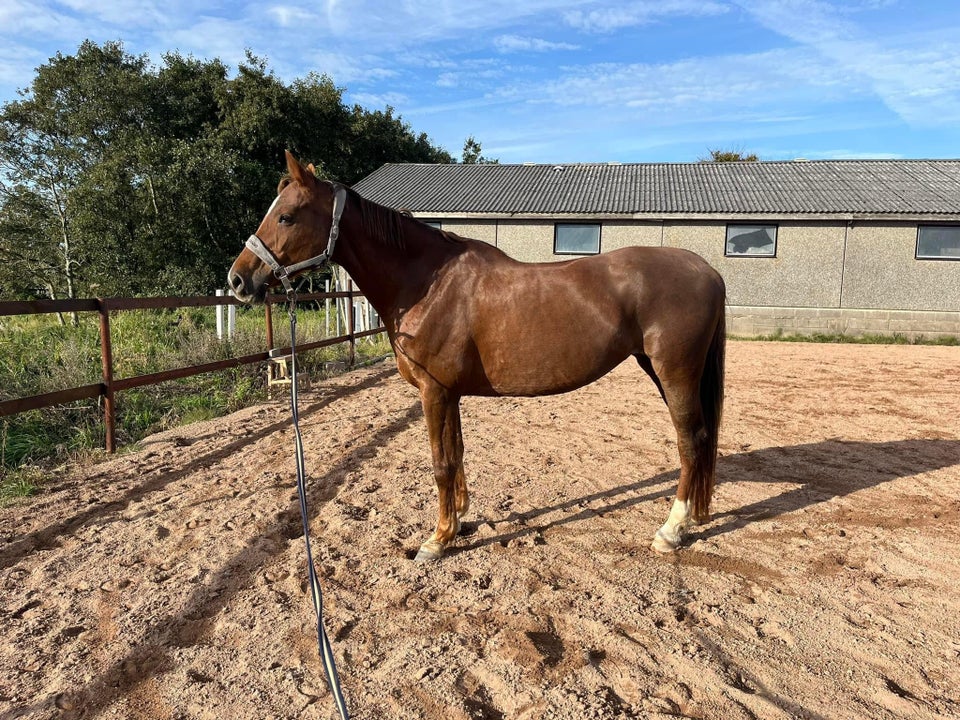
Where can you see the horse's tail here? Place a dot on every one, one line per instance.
(711, 403)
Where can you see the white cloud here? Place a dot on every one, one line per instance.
(519, 43)
(448, 79)
(210, 37)
(916, 75)
(347, 69)
(124, 13)
(379, 100)
(291, 16)
(771, 82)
(616, 16)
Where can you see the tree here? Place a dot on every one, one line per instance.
(729, 156)
(119, 177)
(77, 108)
(472, 153)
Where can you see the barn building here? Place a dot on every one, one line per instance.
(846, 246)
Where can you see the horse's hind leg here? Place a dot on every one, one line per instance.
(443, 426)
(683, 400)
(648, 368)
(460, 482)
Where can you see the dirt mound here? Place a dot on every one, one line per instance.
(170, 582)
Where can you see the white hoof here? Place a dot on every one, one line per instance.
(663, 544)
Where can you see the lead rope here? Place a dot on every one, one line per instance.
(326, 653)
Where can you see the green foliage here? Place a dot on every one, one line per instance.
(19, 484)
(717, 155)
(44, 356)
(473, 153)
(121, 178)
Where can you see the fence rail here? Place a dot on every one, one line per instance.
(109, 385)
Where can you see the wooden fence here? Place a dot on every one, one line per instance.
(110, 385)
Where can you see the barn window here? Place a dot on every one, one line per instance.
(576, 239)
(751, 241)
(938, 242)
(434, 224)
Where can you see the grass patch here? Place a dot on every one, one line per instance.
(863, 339)
(44, 356)
(20, 483)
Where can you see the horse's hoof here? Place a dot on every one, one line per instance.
(430, 551)
(663, 545)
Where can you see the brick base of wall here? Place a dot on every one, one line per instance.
(749, 321)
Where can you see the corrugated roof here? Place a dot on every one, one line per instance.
(822, 187)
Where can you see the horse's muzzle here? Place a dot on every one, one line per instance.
(244, 289)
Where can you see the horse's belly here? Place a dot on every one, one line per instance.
(547, 370)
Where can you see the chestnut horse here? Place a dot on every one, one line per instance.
(465, 319)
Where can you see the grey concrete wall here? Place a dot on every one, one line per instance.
(485, 230)
(749, 321)
(527, 241)
(882, 272)
(806, 271)
(614, 235)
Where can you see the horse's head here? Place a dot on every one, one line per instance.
(292, 235)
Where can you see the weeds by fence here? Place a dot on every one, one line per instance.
(161, 356)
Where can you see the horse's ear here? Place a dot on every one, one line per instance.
(312, 169)
(298, 172)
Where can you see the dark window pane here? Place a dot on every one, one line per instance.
(754, 240)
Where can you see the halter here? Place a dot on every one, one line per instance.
(283, 272)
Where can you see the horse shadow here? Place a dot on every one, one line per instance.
(813, 473)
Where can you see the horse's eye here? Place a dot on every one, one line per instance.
(286, 219)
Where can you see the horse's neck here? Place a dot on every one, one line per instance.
(389, 272)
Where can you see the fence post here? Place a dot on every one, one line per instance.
(350, 328)
(269, 317)
(231, 321)
(326, 310)
(106, 360)
(219, 293)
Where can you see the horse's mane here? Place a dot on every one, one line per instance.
(382, 223)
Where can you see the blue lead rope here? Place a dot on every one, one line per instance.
(323, 644)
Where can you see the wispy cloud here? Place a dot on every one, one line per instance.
(292, 16)
(916, 75)
(769, 80)
(380, 100)
(122, 13)
(616, 16)
(519, 43)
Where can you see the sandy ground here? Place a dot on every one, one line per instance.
(169, 582)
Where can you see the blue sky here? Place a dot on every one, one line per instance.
(573, 80)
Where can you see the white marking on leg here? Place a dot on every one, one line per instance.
(669, 537)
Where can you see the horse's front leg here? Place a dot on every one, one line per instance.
(442, 413)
